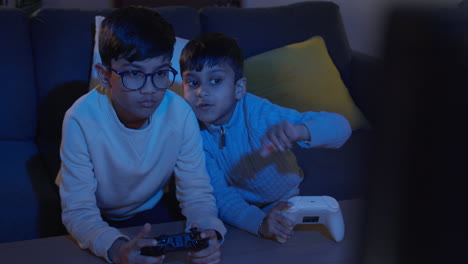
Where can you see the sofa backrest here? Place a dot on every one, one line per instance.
(261, 29)
(62, 43)
(18, 94)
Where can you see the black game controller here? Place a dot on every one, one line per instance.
(184, 241)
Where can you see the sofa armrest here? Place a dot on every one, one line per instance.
(342, 173)
(366, 72)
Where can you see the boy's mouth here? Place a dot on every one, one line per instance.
(204, 106)
(147, 103)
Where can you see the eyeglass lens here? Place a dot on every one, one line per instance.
(135, 80)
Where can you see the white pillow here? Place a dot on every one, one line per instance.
(94, 81)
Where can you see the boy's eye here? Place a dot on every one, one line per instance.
(215, 81)
(162, 74)
(135, 73)
(192, 83)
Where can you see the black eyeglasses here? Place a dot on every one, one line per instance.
(134, 80)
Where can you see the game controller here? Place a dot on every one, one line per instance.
(184, 241)
(323, 210)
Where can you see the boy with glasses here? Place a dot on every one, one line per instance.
(247, 139)
(121, 143)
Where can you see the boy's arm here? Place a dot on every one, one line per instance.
(233, 209)
(326, 129)
(77, 185)
(193, 188)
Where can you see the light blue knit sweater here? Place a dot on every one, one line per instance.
(246, 185)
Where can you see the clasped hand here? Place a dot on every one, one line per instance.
(275, 226)
(281, 136)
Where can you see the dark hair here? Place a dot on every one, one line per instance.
(212, 49)
(135, 34)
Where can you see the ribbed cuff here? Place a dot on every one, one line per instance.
(105, 241)
(252, 220)
(318, 134)
(207, 223)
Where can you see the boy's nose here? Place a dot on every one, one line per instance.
(148, 87)
(201, 91)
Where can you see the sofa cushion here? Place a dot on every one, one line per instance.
(18, 100)
(303, 77)
(341, 173)
(30, 207)
(258, 29)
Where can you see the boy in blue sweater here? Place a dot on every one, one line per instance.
(247, 139)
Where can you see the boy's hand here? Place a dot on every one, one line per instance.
(275, 226)
(281, 137)
(209, 255)
(126, 252)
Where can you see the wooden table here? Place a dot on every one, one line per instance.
(310, 244)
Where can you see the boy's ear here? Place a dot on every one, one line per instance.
(103, 74)
(241, 88)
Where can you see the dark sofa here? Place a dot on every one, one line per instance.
(45, 66)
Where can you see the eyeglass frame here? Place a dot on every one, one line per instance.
(121, 74)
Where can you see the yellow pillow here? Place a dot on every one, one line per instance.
(302, 76)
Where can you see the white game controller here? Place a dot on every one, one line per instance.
(323, 210)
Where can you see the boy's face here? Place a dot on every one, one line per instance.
(134, 107)
(213, 93)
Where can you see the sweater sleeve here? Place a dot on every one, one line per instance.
(77, 186)
(326, 129)
(233, 209)
(193, 187)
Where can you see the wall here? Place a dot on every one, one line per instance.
(83, 4)
(364, 20)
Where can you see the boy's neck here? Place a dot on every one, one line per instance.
(124, 119)
(138, 124)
